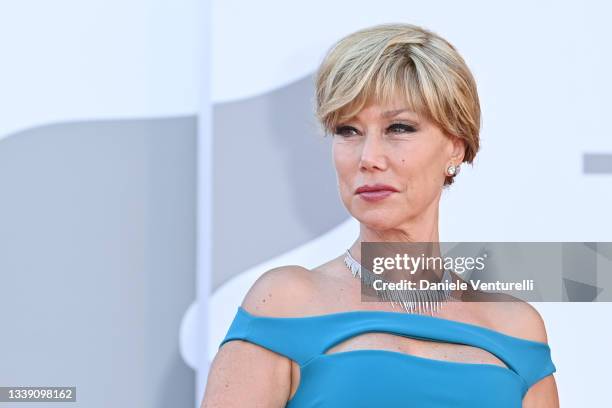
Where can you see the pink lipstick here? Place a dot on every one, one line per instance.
(375, 192)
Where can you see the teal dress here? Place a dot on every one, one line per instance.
(389, 379)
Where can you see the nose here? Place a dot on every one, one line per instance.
(373, 154)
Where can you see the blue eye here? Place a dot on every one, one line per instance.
(345, 131)
(400, 128)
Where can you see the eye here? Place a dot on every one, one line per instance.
(401, 128)
(346, 131)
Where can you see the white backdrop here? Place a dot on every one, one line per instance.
(541, 70)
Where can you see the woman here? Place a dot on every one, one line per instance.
(403, 110)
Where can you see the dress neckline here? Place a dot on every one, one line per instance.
(398, 314)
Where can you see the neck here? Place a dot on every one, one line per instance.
(423, 228)
(420, 229)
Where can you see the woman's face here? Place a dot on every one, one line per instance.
(393, 146)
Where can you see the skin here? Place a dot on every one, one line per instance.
(382, 144)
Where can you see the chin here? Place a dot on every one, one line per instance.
(377, 219)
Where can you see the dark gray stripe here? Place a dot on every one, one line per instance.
(597, 163)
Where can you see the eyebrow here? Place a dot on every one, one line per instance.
(391, 113)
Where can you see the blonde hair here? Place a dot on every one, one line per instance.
(377, 62)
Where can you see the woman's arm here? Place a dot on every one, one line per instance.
(542, 394)
(245, 374)
(518, 318)
(523, 320)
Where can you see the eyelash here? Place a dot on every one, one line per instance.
(406, 129)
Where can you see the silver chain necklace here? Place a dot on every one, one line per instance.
(416, 300)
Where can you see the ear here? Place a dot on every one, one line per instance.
(457, 149)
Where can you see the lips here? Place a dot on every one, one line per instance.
(376, 192)
(375, 187)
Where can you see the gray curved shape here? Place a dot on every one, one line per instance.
(274, 180)
(97, 245)
(97, 259)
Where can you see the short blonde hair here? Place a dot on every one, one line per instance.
(377, 62)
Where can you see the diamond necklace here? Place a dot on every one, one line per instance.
(414, 300)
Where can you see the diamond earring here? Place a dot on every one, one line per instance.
(451, 170)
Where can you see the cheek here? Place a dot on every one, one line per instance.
(343, 162)
(342, 173)
(418, 166)
(421, 172)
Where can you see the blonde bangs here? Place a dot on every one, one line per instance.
(391, 82)
(392, 79)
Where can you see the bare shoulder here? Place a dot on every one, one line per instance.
(284, 291)
(517, 318)
(231, 380)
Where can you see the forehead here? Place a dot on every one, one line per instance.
(380, 110)
(377, 106)
(386, 111)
